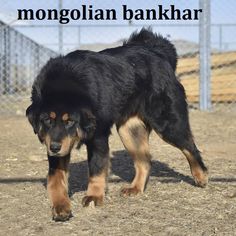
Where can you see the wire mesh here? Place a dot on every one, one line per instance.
(25, 47)
(20, 61)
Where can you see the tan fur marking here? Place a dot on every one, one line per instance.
(66, 144)
(65, 117)
(134, 142)
(47, 140)
(53, 115)
(79, 134)
(57, 190)
(134, 136)
(96, 186)
(199, 175)
(57, 186)
(142, 171)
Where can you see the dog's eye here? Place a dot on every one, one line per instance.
(69, 123)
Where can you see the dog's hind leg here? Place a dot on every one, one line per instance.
(172, 125)
(198, 168)
(57, 187)
(189, 149)
(134, 135)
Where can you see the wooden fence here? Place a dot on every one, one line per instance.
(223, 77)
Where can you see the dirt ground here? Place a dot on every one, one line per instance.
(171, 205)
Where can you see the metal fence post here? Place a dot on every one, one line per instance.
(205, 55)
(220, 39)
(60, 32)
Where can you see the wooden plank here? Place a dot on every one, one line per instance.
(219, 90)
(223, 88)
(216, 77)
(186, 65)
(224, 98)
(214, 90)
(214, 98)
(223, 81)
(216, 81)
(221, 98)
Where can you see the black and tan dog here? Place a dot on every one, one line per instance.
(78, 97)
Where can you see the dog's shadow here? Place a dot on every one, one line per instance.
(122, 166)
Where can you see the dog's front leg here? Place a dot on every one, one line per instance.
(57, 187)
(98, 162)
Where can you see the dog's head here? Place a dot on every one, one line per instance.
(59, 129)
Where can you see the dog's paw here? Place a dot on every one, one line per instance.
(92, 201)
(61, 213)
(130, 191)
(201, 179)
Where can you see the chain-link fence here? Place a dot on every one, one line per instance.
(20, 60)
(25, 47)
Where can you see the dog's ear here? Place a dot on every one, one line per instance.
(33, 117)
(88, 123)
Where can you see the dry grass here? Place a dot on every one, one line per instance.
(171, 204)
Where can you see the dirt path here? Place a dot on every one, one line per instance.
(171, 204)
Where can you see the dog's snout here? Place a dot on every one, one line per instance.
(55, 147)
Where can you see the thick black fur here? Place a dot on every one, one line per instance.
(136, 79)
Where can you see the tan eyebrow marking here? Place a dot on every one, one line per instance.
(52, 115)
(65, 117)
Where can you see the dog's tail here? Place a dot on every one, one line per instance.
(155, 43)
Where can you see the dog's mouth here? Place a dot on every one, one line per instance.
(62, 150)
(59, 154)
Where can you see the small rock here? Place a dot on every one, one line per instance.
(19, 112)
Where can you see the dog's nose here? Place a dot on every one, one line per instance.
(55, 147)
